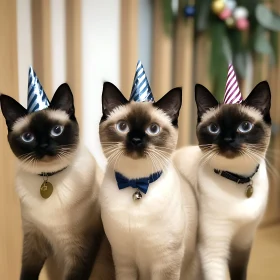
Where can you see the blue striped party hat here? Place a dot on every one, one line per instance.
(37, 99)
(141, 90)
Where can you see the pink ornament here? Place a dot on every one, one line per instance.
(225, 14)
(242, 24)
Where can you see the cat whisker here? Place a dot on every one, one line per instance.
(162, 147)
(155, 167)
(162, 160)
(270, 168)
(109, 143)
(208, 156)
(206, 145)
(111, 151)
(111, 148)
(114, 156)
(155, 161)
(166, 154)
(117, 159)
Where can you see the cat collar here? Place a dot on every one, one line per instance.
(239, 179)
(49, 174)
(141, 184)
(46, 188)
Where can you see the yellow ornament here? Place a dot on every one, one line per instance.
(230, 22)
(218, 6)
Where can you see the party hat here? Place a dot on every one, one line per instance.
(37, 99)
(141, 90)
(232, 94)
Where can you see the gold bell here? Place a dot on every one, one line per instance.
(218, 6)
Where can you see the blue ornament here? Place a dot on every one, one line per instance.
(141, 90)
(189, 10)
(37, 98)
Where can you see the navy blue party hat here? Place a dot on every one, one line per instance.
(37, 99)
(141, 90)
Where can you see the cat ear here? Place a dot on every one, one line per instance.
(204, 100)
(63, 100)
(259, 98)
(111, 98)
(11, 110)
(171, 103)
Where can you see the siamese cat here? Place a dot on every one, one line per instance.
(152, 232)
(228, 171)
(58, 186)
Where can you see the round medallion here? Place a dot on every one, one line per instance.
(137, 195)
(46, 190)
(249, 191)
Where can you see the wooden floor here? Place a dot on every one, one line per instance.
(265, 257)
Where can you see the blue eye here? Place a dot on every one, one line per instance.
(213, 128)
(27, 137)
(153, 129)
(122, 127)
(245, 127)
(57, 130)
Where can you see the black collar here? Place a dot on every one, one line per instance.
(49, 174)
(236, 178)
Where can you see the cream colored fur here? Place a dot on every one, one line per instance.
(226, 217)
(154, 238)
(72, 207)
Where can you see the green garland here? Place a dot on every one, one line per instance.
(261, 38)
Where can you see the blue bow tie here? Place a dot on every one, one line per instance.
(142, 183)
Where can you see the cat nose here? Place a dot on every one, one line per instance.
(228, 139)
(45, 145)
(136, 141)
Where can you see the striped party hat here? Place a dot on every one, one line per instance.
(232, 94)
(141, 90)
(37, 99)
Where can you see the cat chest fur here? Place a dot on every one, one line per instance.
(219, 193)
(152, 222)
(70, 204)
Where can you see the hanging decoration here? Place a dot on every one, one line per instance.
(231, 14)
(189, 11)
(238, 31)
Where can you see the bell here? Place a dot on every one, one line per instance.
(218, 6)
(137, 195)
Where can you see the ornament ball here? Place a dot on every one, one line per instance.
(189, 11)
(225, 14)
(242, 24)
(230, 22)
(240, 13)
(231, 4)
(218, 6)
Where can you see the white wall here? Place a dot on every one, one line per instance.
(100, 62)
(58, 43)
(145, 35)
(24, 40)
(100, 56)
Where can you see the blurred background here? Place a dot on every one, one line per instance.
(180, 43)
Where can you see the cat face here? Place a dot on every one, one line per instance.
(140, 130)
(234, 130)
(46, 140)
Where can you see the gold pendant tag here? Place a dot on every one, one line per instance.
(249, 191)
(46, 189)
